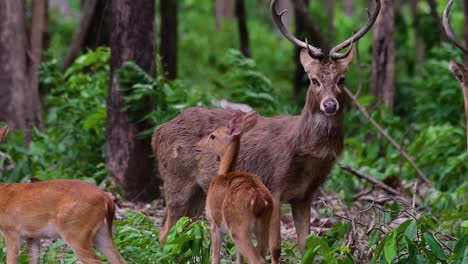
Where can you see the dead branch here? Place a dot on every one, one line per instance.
(370, 179)
(79, 36)
(388, 137)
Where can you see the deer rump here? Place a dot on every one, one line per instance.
(292, 161)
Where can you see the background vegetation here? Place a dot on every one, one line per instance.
(427, 119)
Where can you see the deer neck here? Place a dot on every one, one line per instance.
(229, 157)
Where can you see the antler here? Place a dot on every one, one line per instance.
(314, 52)
(448, 29)
(334, 55)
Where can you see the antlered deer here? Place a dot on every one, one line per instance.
(459, 70)
(236, 201)
(76, 211)
(292, 154)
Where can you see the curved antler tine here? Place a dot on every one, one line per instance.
(314, 52)
(448, 29)
(334, 55)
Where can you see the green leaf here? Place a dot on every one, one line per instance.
(435, 246)
(464, 224)
(390, 250)
(411, 230)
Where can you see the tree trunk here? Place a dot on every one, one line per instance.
(383, 55)
(224, 9)
(418, 39)
(330, 11)
(79, 36)
(38, 31)
(436, 21)
(98, 33)
(128, 156)
(18, 101)
(168, 48)
(243, 30)
(348, 6)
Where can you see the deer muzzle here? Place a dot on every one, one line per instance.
(329, 106)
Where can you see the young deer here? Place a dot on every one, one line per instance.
(293, 155)
(76, 211)
(459, 70)
(236, 201)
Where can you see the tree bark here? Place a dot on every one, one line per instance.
(79, 36)
(348, 6)
(128, 156)
(224, 9)
(418, 39)
(436, 21)
(18, 101)
(330, 11)
(243, 30)
(383, 55)
(38, 31)
(168, 48)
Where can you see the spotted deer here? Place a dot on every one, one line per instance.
(76, 211)
(237, 202)
(293, 155)
(459, 70)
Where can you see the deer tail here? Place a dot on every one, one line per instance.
(110, 214)
(262, 204)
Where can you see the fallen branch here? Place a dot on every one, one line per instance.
(388, 137)
(370, 179)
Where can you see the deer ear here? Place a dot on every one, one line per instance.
(458, 69)
(346, 61)
(249, 120)
(234, 126)
(3, 132)
(305, 58)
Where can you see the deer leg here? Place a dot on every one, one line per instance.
(263, 229)
(105, 243)
(82, 245)
(189, 201)
(244, 245)
(216, 241)
(275, 235)
(12, 240)
(301, 216)
(34, 250)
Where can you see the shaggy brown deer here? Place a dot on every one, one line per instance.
(459, 70)
(76, 211)
(292, 154)
(237, 202)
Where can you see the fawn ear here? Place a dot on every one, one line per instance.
(234, 126)
(458, 69)
(249, 120)
(3, 132)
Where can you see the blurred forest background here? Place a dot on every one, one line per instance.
(83, 84)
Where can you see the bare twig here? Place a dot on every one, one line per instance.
(388, 137)
(370, 179)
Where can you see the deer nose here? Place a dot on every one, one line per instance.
(330, 106)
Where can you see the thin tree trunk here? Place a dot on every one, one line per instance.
(98, 33)
(168, 49)
(330, 11)
(418, 39)
(79, 36)
(383, 55)
(18, 102)
(243, 30)
(436, 21)
(128, 156)
(38, 30)
(224, 9)
(348, 6)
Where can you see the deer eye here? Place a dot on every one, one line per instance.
(341, 81)
(212, 137)
(315, 82)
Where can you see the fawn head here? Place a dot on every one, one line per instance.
(3, 132)
(326, 73)
(458, 69)
(219, 140)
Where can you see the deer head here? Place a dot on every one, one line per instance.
(3, 132)
(326, 73)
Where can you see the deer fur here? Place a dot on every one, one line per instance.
(237, 202)
(461, 73)
(292, 154)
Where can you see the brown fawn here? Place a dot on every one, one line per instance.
(459, 70)
(293, 155)
(237, 202)
(74, 210)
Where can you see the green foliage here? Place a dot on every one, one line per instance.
(72, 146)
